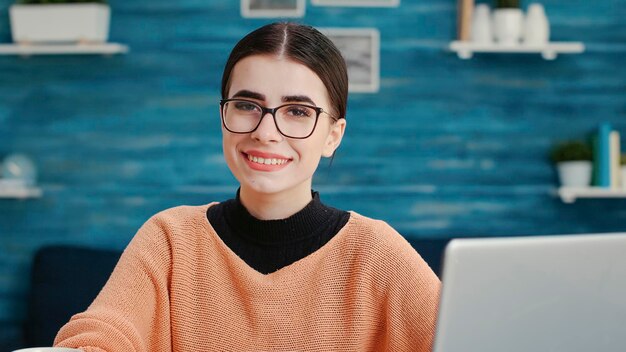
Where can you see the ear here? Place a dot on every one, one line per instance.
(334, 137)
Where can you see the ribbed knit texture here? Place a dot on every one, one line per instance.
(178, 287)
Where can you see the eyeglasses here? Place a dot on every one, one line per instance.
(292, 120)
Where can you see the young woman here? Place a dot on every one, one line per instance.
(273, 269)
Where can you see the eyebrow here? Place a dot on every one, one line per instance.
(249, 94)
(298, 98)
(244, 93)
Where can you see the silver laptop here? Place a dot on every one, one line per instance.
(534, 294)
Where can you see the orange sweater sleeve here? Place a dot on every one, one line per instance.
(131, 313)
(413, 299)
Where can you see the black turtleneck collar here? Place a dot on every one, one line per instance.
(268, 245)
(295, 228)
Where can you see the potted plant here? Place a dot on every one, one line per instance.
(60, 21)
(573, 162)
(507, 22)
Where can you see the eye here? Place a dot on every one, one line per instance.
(299, 111)
(246, 106)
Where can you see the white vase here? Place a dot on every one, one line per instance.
(59, 23)
(481, 25)
(536, 26)
(507, 26)
(574, 173)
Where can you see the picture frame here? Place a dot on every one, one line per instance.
(272, 8)
(360, 47)
(357, 3)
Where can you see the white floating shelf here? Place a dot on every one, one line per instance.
(549, 51)
(20, 192)
(62, 49)
(570, 194)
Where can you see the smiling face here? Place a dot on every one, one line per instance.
(266, 163)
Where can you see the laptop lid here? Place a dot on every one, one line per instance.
(534, 294)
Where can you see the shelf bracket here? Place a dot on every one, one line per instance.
(465, 54)
(548, 54)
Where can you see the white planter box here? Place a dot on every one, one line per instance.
(60, 23)
(575, 173)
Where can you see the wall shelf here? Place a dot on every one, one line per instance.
(466, 49)
(63, 49)
(20, 192)
(570, 194)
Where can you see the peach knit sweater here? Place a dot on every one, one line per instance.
(178, 287)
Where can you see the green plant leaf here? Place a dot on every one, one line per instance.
(507, 4)
(573, 150)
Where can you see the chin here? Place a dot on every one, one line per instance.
(274, 185)
(261, 186)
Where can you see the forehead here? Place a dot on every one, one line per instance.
(275, 77)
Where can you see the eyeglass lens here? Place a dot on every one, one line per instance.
(292, 120)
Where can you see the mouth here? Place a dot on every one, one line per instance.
(266, 162)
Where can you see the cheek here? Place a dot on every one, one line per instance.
(321, 139)
(229, 140)
(229, 145)
(311, 149)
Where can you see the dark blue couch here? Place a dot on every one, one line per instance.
(65, 279)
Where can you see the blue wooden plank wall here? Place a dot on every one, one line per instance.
(446, 148)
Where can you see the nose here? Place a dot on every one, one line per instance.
(267, 130)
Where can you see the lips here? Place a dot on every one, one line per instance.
(265, 161)
(268, 161)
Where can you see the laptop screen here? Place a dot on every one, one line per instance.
(530, 294)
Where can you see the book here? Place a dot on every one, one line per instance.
(595, 175)
(604, 158)
(614, 151)
(465, 12)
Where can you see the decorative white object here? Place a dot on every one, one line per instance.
(19, 168)
(19, 176)
(507, 26)
(481, 31)
(536, 26)
(60, 23)
(575, 173)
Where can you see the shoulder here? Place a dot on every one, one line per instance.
(167, 224)
(383, 244)
(182, 215)
(379, 234)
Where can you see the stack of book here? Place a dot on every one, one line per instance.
(606, 157)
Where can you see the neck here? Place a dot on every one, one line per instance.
(275, 206)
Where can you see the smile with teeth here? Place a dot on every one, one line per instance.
(268, 161)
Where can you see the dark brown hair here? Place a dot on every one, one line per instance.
(300, 43)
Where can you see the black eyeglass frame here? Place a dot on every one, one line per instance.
(272, 111)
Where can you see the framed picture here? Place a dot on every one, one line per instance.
(357, 3)
(360, 48)
(272, 8)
